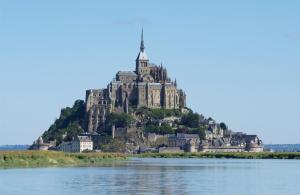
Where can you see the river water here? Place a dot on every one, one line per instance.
(159, 176)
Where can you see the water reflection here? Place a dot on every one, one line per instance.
(159, 176)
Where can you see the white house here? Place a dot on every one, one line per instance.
(79, 144)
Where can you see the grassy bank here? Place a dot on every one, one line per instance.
(10, 159)
(240, 155)
(16, 159)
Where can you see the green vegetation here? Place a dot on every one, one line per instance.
(14, 159)
(190, 120)
(157, 113)
(238, 155)
(113, 145)
(150, 119)
(119, 120)
(70, 123)
(10, 159)
(162, 113)
(187, 123)
(223, 126)
(155, 128)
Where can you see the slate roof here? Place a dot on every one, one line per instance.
(126, 73)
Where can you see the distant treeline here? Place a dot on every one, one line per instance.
(14, 147)
(283, 147)
(231, 155)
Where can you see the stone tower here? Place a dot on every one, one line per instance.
(142, 61)
(148, 86)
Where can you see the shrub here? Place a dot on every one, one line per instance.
(70, 122)
(119, 120)
(190, 120)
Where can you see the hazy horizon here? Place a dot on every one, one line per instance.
(237, 62)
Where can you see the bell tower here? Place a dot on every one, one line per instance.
(142, 61)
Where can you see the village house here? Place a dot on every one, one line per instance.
(77, 145)
(39, 144)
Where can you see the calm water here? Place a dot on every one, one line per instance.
(160, 176)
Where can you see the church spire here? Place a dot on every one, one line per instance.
(142, 54)
(142, 47)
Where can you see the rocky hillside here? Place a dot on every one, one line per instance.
(160, 121)
(69, 124)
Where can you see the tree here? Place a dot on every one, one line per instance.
(143, 111)
(161, 113)
(70, 122)
(114, 145)
(155, 128)
(190, 120)
(73, 130)
(223, 126)
(166, 129)
(119, 120)
(158, 113)
(152, 128)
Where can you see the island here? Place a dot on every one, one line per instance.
(141, 111)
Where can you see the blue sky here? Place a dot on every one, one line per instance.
(238, 62)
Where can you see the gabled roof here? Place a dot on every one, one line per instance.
(126, 73)
(83, 138)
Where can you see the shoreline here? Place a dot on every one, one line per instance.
(34, 159)
(225, 155)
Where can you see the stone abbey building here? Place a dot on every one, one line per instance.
(148, 86)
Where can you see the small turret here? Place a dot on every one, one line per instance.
(40, 141)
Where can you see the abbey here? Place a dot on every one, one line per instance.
(148, 86)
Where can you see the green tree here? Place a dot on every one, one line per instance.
(114, 145)
(161, 113)
(119, 120)
(152, 128)
(166, 129)
(223, 126)
(143, 111)
(70, 122)
(73, 130)
(158, 113)
(155, 128)
(190, 120)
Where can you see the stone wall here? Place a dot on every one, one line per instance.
(221, 149)
(170, 150)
